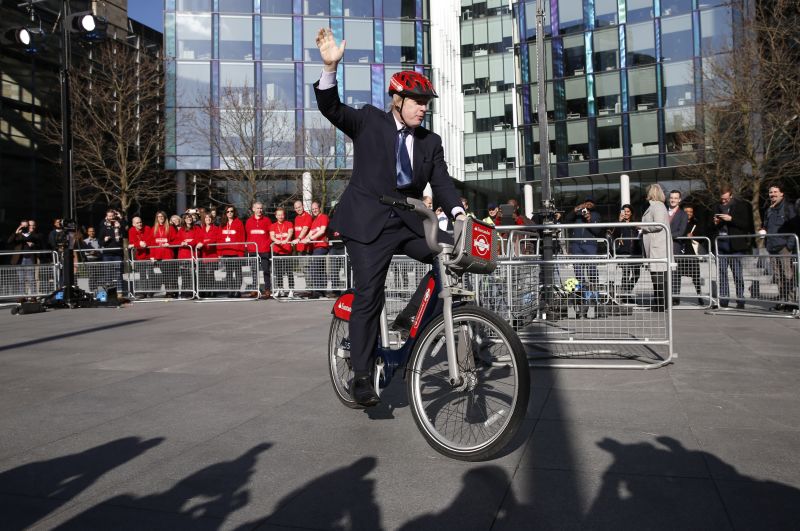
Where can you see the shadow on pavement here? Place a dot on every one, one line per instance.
(203, 500)
(70, 334)
(57, 481)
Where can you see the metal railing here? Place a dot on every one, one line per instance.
(311, 274)
(161, 278)
(35, 274)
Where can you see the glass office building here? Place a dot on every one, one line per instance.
(269, 46)
(623, 80)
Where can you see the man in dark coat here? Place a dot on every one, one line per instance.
(732, 218)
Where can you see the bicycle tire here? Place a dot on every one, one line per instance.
(341, 372)
(462, 423)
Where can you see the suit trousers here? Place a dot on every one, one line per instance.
(370, 263)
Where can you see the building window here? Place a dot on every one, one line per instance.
(606, 89)
(609, 138)
(715, 28)
(680, 129)
(644, 133)
(236, 38)
(642, 89)
(605, 53)
(311, 27)
(639, 10)
(399, 9)
(193, 83)
(360, 41)
(671, 8)
(276, 39)
(194, 5)
(278, 85)
(574, 56)
(316, 7)
(578, 141)
(357, 85)
(276, 7)
(570, 14)
(237, 84)
(641, 44)
(679, 84)
(530, 20)
(676, 38)
(358, 8)
(605, 13)
(575, 90)
(194, 36)
(235, 6)
(399, 42)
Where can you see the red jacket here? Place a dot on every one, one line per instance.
(281, 230)
(300, 222)
(163, 235)
(189, 237)
(135, 239)
(209, 238)
(258, 233)
(232, 237)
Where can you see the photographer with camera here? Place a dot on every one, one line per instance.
(111, 235)
(584, 241)
(25, 238)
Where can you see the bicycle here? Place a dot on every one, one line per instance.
(468, 398)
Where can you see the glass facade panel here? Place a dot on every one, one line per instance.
(235, 6)
(193, 33)
(276, 39)
(676, 38)
(570, 15)
(358, 8)
(311, 27)
(360, 41)
(574, 56)
(679, 125)
(607, 96)
(311, 75)
(578, 141)
(399, 8)
(278, 84)
(276, 7)
(715, 29)
(605, 13)
(639, 10)
(575, 90)
(530, 19)
(236, 81)
(357, 85)
(641, 43)
(236, 37)
(675, 7)
(316, 7)
(192, 129)
(605, 50)
(193, 83)
(609, 137)
(193, 5)
(642, 89)
(679, 84)
(644, 133)
(399, 44)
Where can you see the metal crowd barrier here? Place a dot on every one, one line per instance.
(291, 274)
(693, 280)
(229, 277)
(759, 281)
(35, 275)
(402, 279)
(602, 243)
(599, 312)
(158, 279)
(92, 272)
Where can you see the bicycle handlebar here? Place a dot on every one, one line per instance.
(430, 222)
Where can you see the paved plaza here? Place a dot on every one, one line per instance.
(221, 416)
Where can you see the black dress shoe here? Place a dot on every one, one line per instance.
(362, 393)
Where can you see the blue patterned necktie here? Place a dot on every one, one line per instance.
(404, 174)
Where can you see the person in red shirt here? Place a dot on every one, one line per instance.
(281, 234)
(232, 247)
(302, 224)
(207, 237)
(140, 237)
(186, 237)
(258, 229)
(164, 235)
(317, 239)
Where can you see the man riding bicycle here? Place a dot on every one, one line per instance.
(393, 156)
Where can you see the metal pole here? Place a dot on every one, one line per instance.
(544, 165)
(68, 208)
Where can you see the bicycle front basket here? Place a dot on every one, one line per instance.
(476, 248)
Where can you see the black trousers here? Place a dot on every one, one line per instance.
(370, 263)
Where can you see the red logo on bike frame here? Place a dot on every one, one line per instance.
(481, 241)
(425, 300)
(343, 306)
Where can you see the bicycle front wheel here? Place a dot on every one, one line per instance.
(474, 419)
(341, 371)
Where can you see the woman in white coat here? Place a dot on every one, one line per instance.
(654, 242)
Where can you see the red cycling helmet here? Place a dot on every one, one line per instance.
(410, 83)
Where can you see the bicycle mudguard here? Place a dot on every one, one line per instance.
(343, 305)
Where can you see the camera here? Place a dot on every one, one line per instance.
(191, 211)
(584, 211)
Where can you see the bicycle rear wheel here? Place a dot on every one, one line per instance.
(341, 371)
(474, 420)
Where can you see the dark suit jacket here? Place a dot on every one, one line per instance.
(741, 223)
(677, 227)
(359, 214)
